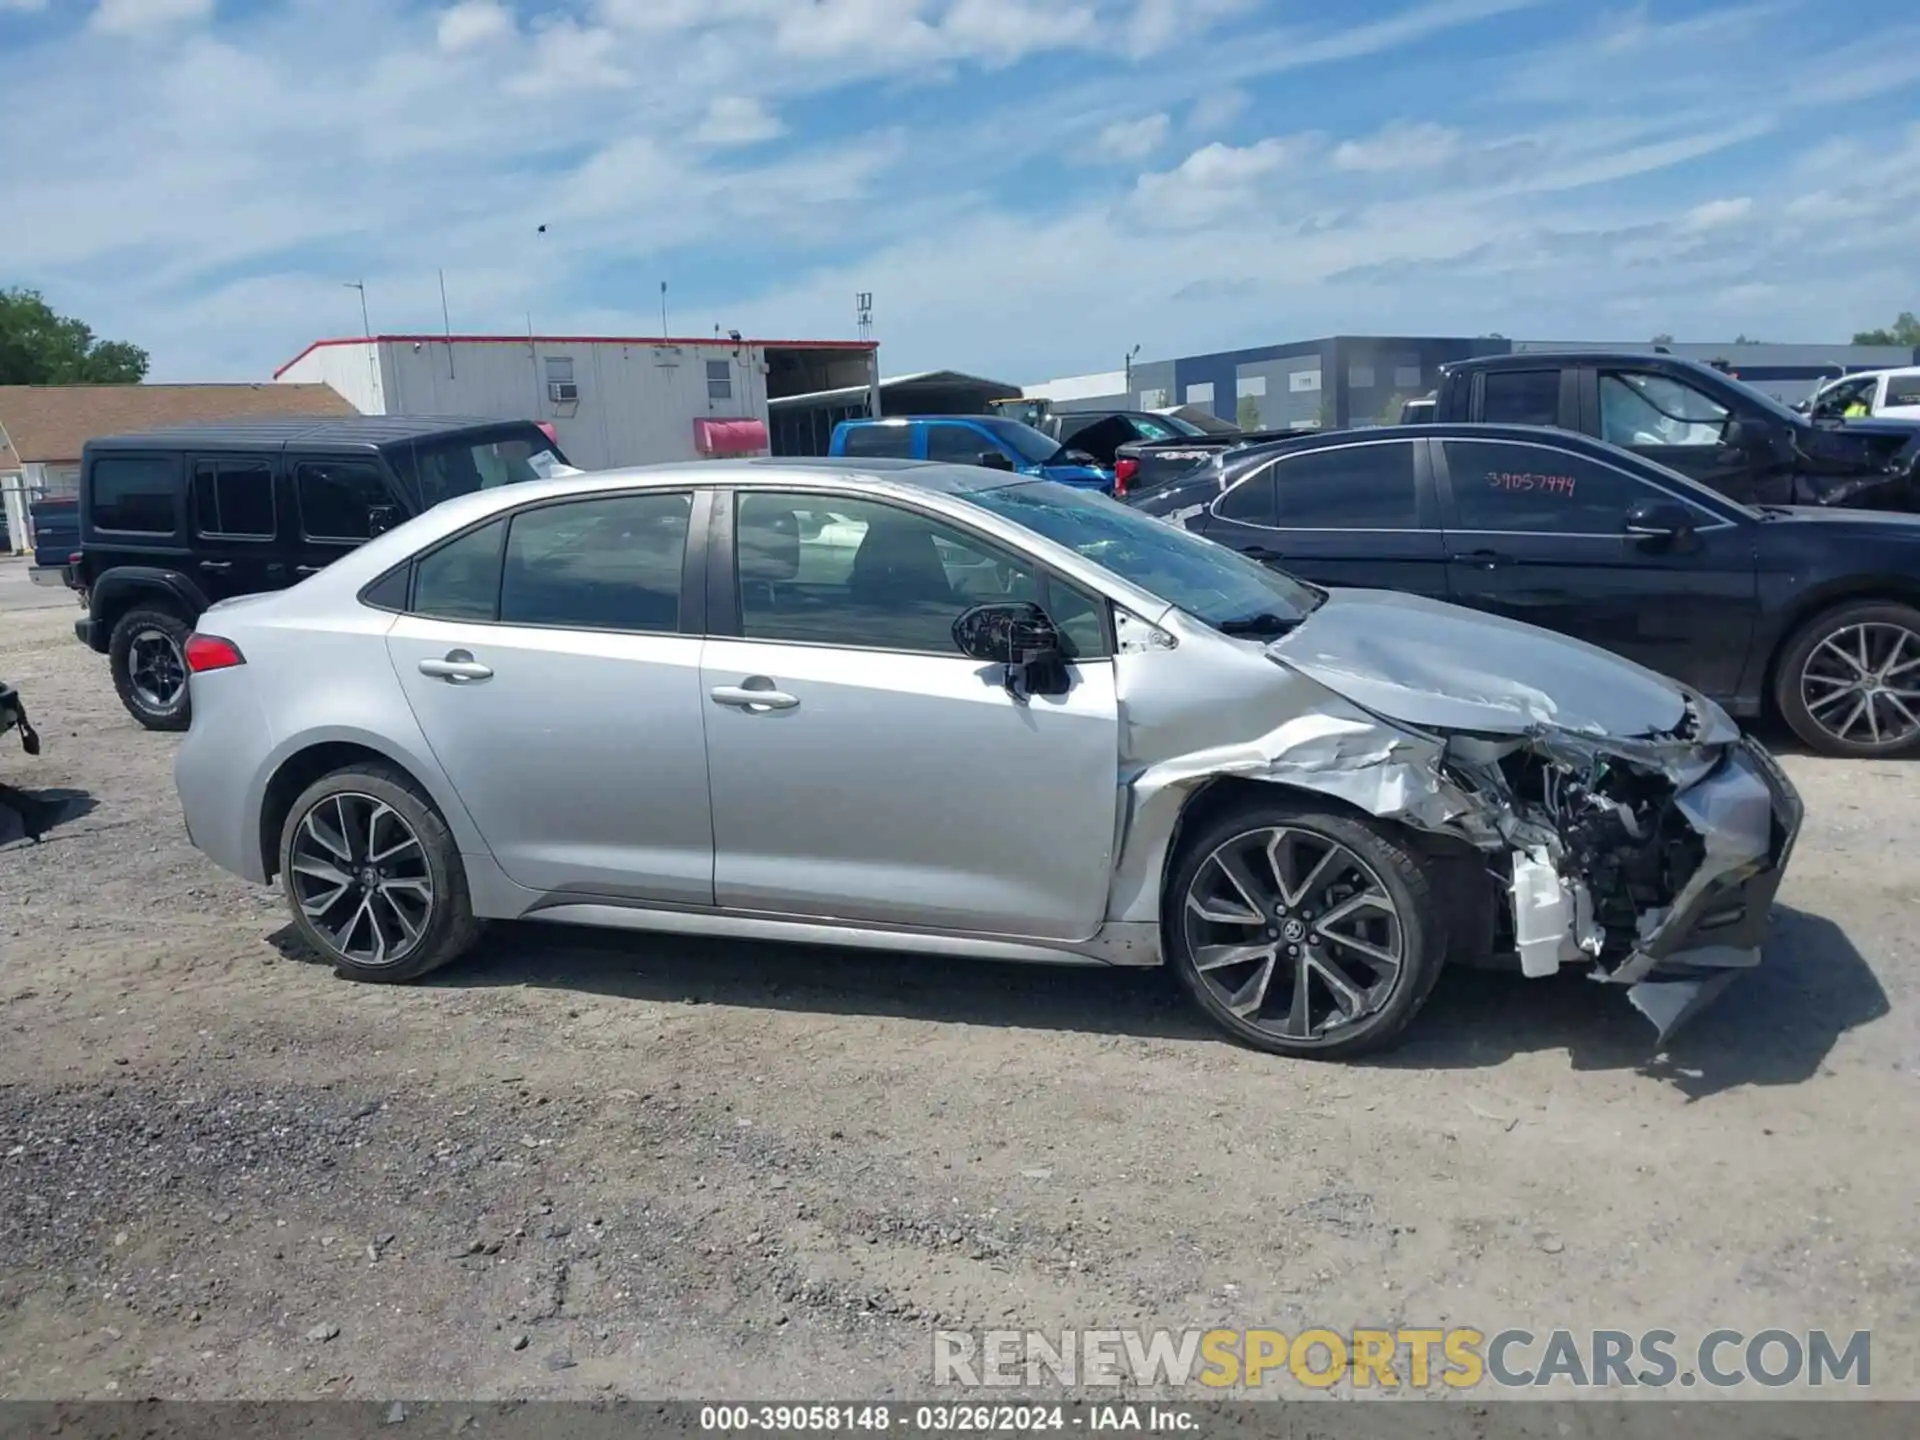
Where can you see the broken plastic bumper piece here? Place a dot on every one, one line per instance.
(1748, 815)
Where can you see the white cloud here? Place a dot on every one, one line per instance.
(1216, 110)
(1399, 147)
(1712, 214)
(27, 6)
(1212, 182)
(473, 23)
(568, 58)
(737, 120)
(1134, 139)
(127, 17)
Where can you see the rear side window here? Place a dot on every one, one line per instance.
(892, 441)
(233, 498)
(1521, 397)
(1903, 390)
(136, 494)
(611, 563)
(461, 580)
(1250, 501)
(337, 498)
(1353, 487)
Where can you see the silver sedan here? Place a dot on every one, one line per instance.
(950, 711)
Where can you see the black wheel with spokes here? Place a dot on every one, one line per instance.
(373, 876)
(1849, 684)
(147, 656)
(1303, 931)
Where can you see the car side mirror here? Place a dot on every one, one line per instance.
(380, 519)
(1661, 524)
(994, 460)
(1081, 457)
(1019, 635)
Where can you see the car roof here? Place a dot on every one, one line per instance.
(350, 432)
(1437, 430)
(1548, 359)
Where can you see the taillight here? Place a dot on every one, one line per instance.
(1124, 469)
(210, 652)
(75, 557)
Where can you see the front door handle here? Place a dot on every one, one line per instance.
(216, 564)
(1262, 554)
(1482, 559)
(308, 569)
(756, 696)
(458, 668)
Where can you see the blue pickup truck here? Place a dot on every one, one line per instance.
(971, 440)
(56, 535)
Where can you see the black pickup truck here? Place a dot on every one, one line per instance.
(1695, 419)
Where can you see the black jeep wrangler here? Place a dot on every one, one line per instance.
(173, 520)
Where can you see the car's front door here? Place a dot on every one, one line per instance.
(237, 524)
(861, 767)
(1354, 515)
(1538, 532)
(340, 503)
(1682, 427)
(554, 666)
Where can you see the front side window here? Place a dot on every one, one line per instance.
(1903, 390)
(233, 498)
(956, 444)
(1537, 489)
(338, 497)
(892, 442)
(1214, 584)
(820, 571)
(1034, 447)
(1520, 397)
(609, 563)
(135, 494)
(1351, 487)
(1638, 409)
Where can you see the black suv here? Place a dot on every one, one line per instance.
(173, 520)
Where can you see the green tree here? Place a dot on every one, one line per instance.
(1247, 413)
(1904, 331)
(40, 347)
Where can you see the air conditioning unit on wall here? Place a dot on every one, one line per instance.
(563, 392)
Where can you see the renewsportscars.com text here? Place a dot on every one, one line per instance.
(1458, 1357)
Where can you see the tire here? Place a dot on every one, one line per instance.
(1879, 716)
(1384, 871)
(137, 667)
(350, 807)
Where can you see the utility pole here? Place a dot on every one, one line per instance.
(373, 349)
(1130, 354)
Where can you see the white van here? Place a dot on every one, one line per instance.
(1890, 394)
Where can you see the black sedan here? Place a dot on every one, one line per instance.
(1812, 612)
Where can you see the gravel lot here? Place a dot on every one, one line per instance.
(578, 1165)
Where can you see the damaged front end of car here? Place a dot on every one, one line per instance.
(1596, 814)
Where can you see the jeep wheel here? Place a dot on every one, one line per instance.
(148, 658)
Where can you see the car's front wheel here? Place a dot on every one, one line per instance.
(1849, 683)
(1303, 931)
(373, 876)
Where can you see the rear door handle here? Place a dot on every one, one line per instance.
(216, 564)
(747, 697)
(1482, 559)
(457, 668)
(1260, 552)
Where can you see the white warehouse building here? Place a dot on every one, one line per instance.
(608, 400)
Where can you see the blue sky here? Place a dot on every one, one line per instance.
(1027, 187)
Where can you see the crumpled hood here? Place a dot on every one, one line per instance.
(1438, 666)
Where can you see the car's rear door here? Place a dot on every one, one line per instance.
(237, 522)
(861, 767)
(1536, 531)
(553, 661)
(1360, 514)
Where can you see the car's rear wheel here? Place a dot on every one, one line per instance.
(373, 876)
(1849, 682)
(147, 656)
(1303, 931)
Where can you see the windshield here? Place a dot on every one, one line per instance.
(1215, 585)
(1025, 441)
(443, 469)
